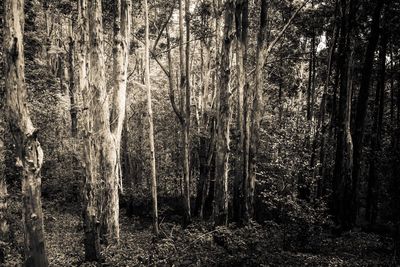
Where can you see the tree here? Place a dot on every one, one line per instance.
(185, 91)
(103, 129)
(150, 117)
(29, 153)
(362, 103)
(376, 143)
(220, 212)
(342, 183)
(242, 24)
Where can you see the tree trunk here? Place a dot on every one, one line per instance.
(242, 24)
(4, 228)
(73, 97)
(362, 102)
(220, 211)
(342, 183)
(150, 117)
(372, 190)
(255, 112)
(103, 136)
(185, 91)
(28, 149)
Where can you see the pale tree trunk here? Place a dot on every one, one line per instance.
(151, 126)
(220, 212)
(185, 87)
(101, 147)
(29, 153)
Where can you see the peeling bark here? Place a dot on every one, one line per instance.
(28, 150)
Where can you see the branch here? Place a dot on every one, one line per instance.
(273, 43)
(164, 26)
(171, 83)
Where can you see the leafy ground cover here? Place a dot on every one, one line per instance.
(270, 244)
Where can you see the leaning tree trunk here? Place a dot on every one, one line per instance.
(223, 120)
(28, 149)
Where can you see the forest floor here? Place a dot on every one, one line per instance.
(201, 245)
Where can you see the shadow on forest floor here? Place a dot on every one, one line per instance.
(201, 245)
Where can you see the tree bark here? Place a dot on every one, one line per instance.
(4, 228)
(28, 150)
(186, 155)
(220, 212)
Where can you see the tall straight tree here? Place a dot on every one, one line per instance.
(242, 24)
(28, 150)
(362, 103)
(220, 211)
(151, 127)
(342, 183)
(376, 142)
(185, 91)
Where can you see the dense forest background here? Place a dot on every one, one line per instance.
(200, 133)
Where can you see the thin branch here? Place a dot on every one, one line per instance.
(164, 26)
(273, 43)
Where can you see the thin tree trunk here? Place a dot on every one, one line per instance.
(186, 102)
(28, 149)
(151, 127)
(186, 161)
(73, 97)
(4, 228)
